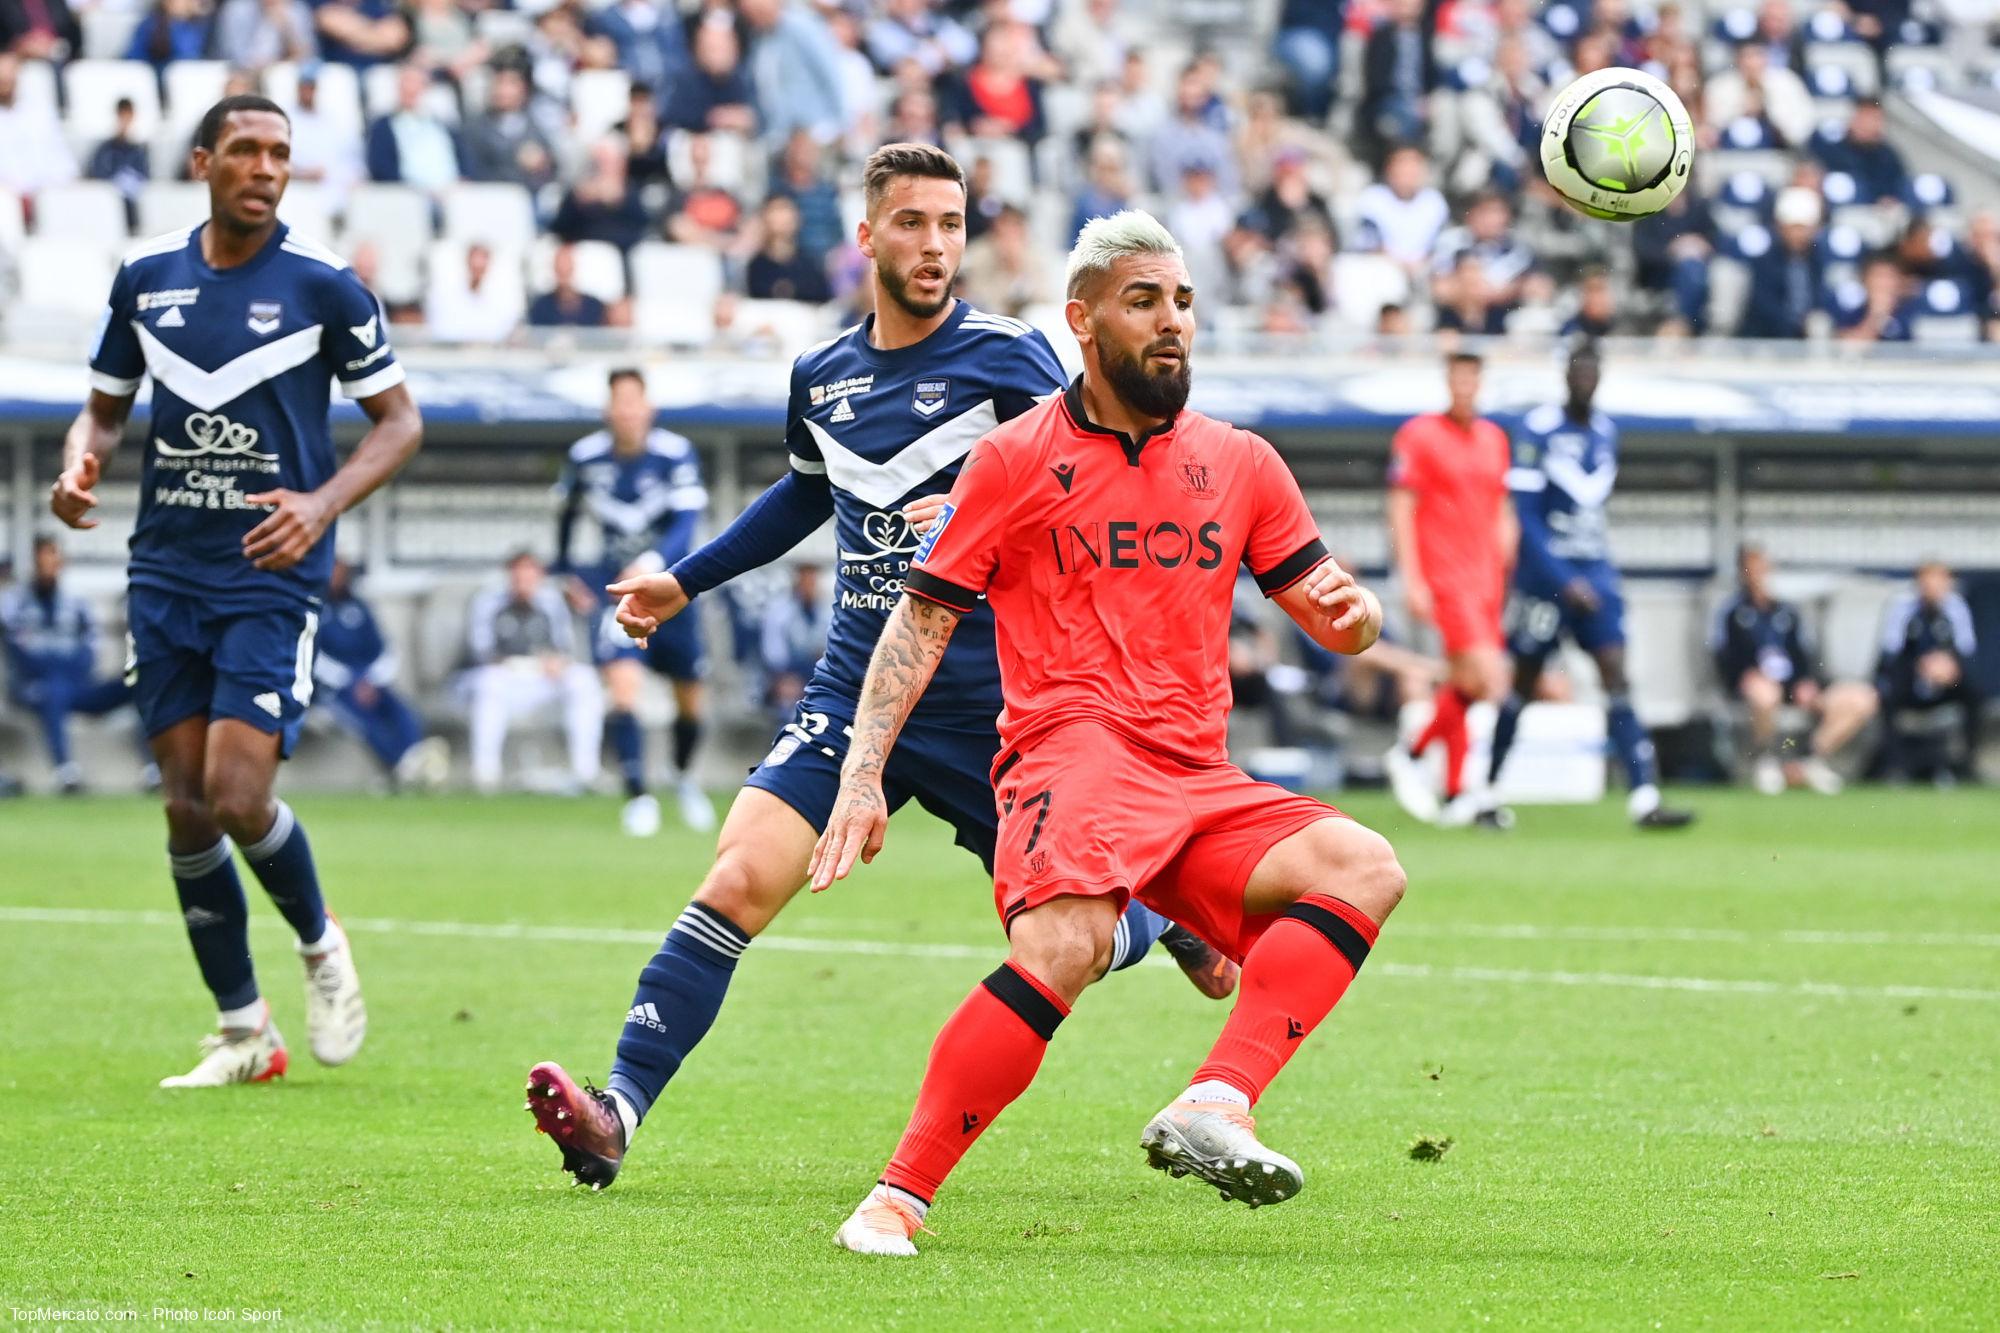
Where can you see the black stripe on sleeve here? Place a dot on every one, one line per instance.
(1019, 994)
(942, 591)
(1352, 945)
(1292, 568)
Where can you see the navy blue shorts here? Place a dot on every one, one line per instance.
(946, 766)
(1535, 622)
(188, 659)
(674, 650)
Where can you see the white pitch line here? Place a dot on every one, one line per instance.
(795, 944)
(1697, 935)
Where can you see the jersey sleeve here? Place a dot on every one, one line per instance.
(1284, 544)
(800, 446)
(1406, 458)
(356, 340)
(1032, 373)
(117, 362)
(1529, 486)
(956, 559)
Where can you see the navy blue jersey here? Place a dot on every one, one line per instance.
(1561, 480)
(48, 633)
(643, 506)
(350, 646)
(884, 427)
(243, 361)
(1912, 629)
(1770, 638)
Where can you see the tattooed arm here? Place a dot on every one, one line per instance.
(906, 657)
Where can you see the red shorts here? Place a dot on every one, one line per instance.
(1086, 812)
(1468, 613)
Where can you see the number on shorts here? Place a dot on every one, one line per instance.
(1046, 799)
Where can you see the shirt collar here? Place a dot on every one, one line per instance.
(1073, 402)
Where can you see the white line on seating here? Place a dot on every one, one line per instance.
(70, 916)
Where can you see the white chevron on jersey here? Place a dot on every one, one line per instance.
(883, 484)
(210, 389)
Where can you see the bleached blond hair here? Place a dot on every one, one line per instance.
(1105, 241)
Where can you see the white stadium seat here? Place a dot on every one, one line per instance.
(793, 325)
(108, 29)
(497, 212)
(674, 289)
(396, 219)
(92, 212)
(35, 89)
(379, 97)
(64, 276)
(339, 93)
(598, 98)
(166, 206)
(600, 268)
(91, 89)
(12, 229)
(193, 86)
(445, 271)
(307, 210)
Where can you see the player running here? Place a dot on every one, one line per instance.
(640, 486)
(242, 326)
(1565, 464)
(1454, 536)
(1105, 528)
(881, 414)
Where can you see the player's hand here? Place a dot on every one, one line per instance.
(1581, 596)
(647, 601)
(1338, 597)
(922, 512)
(860, 820)
(1417, 599)
(297, 521)
(70, 499)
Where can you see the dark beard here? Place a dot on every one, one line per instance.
(898, 287)
(1151, 395)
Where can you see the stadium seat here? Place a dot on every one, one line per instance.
(793, 325)
(60, 275)
(1719, 165)
(600, 268)
(1873, 225)
(497, 212)
(166, 206)
(505, 27)
(193, 86)
(91, 89)
(674, 289)
(307, 210)
(1924, 69)
(1857, 73)
(396, 220)
(92, 212)
(444, 267)
(598, 99)
(379, 97)
(108, 29)
(339, 92)
(728, 160)
(1013, 167)
(35, 89)
(13, 228)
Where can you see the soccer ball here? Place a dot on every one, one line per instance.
(1617, 145)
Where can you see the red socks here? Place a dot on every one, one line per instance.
(1292, 978)
(984, 1057)
(1447, 724)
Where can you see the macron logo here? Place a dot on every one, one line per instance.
(1065, 473)
(269, 702)
(364, 333)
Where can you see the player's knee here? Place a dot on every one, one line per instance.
(243, 814)
(1065, 951)
(734, 888)
(1368, 875)
(188, 817)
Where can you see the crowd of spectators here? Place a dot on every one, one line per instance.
(1401, 194)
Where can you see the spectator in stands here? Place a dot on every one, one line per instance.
(603, 206)
(1596, 307)
(802, 180)
(997, 98)
(355, 670)
(1756, 90)
(792, 637)
(1672, 249)
(1765, 659)
(1788, 278)
(40, 30)
(1103, 124)
(122, 161)
(366, 261)
(1480, 267)
(361, 33)
(563, 43)
(171, 30)
(1503, 119)
(1141, 111)
(1091, 38)
(913, 118)
(1397, 78)
(795, 68)
(443, 39)
(914, 30)
(1200, 219)
(1877, 308)
(1109, 189)
(1928, 646)
(780, 270)
(479, 308)
(1004, 271)
(37, 155)
(250, 34)
(324, 150)
(1289, 199)
(413, 144)
(645, 141)
(647, 41)
(1865, 156)
(983, 199)
(522, 645)
(505, 142)
(563, 306)
(1402, 214)
(703, 212)
(51, 639)
(861, 94)
(1877, 22)
(716, 93)
(1982, 246)
(1190, 139)
(1308, 46)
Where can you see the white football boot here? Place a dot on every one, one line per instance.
(1411, 784)
(1217, 1142)
(641, 816)
(336, 1018)
(883, 1224)
(236, 1056)
(425, 766)
(1767, 775)
(1819, 775)
(697, 811)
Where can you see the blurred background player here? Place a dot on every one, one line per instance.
(1565, 464)
(1766, 661)
(51, 639)
(1928, 645)
(640, 486)
(521, 642)
(1453, 536)
(243, 328)
(879, 416)
(357, 669)
(792, 636)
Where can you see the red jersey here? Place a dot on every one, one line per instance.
(1111, 564)
(1459, 477)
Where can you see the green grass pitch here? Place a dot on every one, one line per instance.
(1745, 1077)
